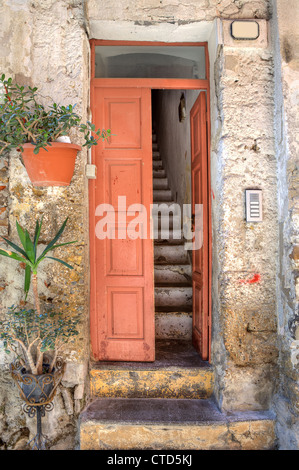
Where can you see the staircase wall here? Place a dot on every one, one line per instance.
(174, 139)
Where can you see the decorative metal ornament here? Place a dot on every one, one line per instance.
(37, 391)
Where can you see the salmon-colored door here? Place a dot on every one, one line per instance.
(200, 208)
(122, 276)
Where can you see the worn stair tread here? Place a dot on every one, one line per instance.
(172, 275)
(153, 423)
(177, 372)
(168, 296)
(162, 195)
(159, 173)
(173, 325)
(166, 238)
(165, 411)
(169, 354)
(172, 284)
(177, 308)
(170, 255)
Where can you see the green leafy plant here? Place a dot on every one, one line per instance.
(31, 336)
(33, 331)
(27, 253)
(23, 119)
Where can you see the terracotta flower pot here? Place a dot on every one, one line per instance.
(52, 167)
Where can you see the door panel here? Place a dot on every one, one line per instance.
(200, 261)
(122, 280)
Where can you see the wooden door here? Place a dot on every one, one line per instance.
(122, 275)
(200, 257)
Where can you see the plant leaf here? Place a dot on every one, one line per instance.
(38, 227)
(30, 251)
(12, 255)
(21, 234)
(16, 247)
(27, 280)
(60, 261)
(63, 244)
(52, 243)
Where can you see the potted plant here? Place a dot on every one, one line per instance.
(40, 131)
(35, 335)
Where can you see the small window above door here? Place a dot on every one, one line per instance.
(140, 61)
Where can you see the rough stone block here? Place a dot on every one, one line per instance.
(172, 424)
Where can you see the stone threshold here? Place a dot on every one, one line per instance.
(169, 354)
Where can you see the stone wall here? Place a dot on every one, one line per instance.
(285, 37)
(244, 254)
(44, 44)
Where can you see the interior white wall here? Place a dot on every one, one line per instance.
(174, 140)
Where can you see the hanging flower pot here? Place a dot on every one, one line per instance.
(52, 167)
(41, 132)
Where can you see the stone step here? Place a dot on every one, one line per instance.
(177, 372)
(154, 137)
(173, 297)
(160, 183)
(157, 164)
(167, 221)
(162, 195)
(155, 145)
(170, 254)
(156, 155)
(169, 237)
(172, 274)
(173, 326)
(149, 423)
(159, 173)
(166, 208)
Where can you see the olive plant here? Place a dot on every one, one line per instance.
(31, 336)
(23, 119)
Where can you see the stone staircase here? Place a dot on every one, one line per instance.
(167, 404)
(172, 268)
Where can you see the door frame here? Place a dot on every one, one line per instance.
(152, 83)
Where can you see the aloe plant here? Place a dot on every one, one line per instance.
(27, 253)
(31, 329)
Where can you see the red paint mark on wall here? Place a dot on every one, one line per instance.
(256, 278)
(213, 194)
